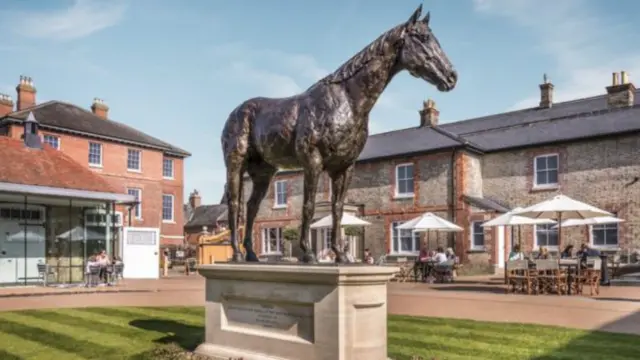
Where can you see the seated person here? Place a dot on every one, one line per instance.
(567, 253)
(515, 253)
(368, 259)
(587, 251)
(424, 253)
(544, 254)
(440, 256)
(450, 254)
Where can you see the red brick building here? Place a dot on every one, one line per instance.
(130, 161)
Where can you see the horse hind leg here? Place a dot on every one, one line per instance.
(261, 174)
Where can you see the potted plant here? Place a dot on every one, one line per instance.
(289, 234)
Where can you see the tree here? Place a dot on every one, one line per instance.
(352, 230)
(290, 234)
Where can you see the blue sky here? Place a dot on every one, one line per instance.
(175, 69)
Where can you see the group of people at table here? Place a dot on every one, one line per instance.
(582, 254)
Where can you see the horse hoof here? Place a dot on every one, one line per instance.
(308, 259)
(237, 258)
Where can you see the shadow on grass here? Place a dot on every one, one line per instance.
(188, 337)
(613, 340)
(4, 355)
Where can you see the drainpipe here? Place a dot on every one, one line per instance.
(452, 196)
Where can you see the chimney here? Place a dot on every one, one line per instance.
(621, 93)
(429, 114)
(100, 108)
(31, 137)
(26, 93)
(194, 199)
(6, 104)
(546, 93)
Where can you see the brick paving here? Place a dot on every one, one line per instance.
(616, 309)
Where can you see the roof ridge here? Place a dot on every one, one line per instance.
(569, 116)
(30, 108)
(456, 137)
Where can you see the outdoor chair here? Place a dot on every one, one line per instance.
(593, 272)
(93, 276)
(614, 265)
(117, 274)
(444, 271)
(405, 270)
(550, 278)
(44, 271)
(519, 277)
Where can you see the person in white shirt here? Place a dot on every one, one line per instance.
(516, 254)
(440, 256)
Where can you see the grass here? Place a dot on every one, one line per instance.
(138, 334)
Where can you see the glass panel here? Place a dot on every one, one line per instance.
(552, 162)
(552, 177)
(408, 174)
(541, 163)
(65, 243)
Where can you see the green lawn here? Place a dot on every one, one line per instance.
(134, 333)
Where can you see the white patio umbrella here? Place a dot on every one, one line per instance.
(429, 221)
(347, 220)
(591, 221)
(512, 219)
(562, 207)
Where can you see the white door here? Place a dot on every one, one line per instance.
(8, 255)
(141, 253)
(15, 267)
(501, 247)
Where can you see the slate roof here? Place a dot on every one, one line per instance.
(46, 167)
(61, 116)
(565, 121)
(207, 215)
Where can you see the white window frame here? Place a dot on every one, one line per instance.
(325, 233)
(169, 160)
(99, 165)
(536, 244)
(397, 180)
(265, 249)
(129, 152)
(44, 139)
(414, 235)
(173, 208)
(276, 204)
(535, 171)
(138, 208)
(473, 234)
(606, 246)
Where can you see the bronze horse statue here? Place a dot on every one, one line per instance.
(322, 129)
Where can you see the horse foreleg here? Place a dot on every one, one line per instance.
(261, 175)
(340, 180)
(234, 182)
(311, 176)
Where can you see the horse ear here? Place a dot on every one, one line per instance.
(416, 15)
(427, 17)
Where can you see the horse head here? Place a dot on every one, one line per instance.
(421, 54)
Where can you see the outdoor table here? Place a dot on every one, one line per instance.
(424, 267)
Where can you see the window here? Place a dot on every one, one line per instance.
(53, 141)
(95, 154)
(404, 180)
(137, 194)
(546, 236)
(326, 238)
(604, 235)
(133, 159)
(545, 169)
(272, 242)
(477, 235)
(167, 207)
(167, 168)
(281, 193)
(404, 241)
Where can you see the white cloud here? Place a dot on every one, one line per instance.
(577, 37)
(81, 19)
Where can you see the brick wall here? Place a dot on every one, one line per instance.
(149, 180)
(596, 172)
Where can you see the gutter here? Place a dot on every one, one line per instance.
(66, 193)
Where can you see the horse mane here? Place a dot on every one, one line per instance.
(362, 58)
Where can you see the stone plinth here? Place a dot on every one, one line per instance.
(295, 312)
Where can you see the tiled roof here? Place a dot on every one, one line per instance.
(485, 203)
(58, 115)
(565, 121)
(45, 167)
(207, 215)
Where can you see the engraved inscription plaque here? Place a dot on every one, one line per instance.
(285, 319)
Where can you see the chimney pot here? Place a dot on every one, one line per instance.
(622, 92)
(429, 115)
(100, 108)
(26, 93)
(195, 199)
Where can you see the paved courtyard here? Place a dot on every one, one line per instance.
(616, 309)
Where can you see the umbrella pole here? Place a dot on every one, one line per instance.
(559, 229)
(520, 237)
